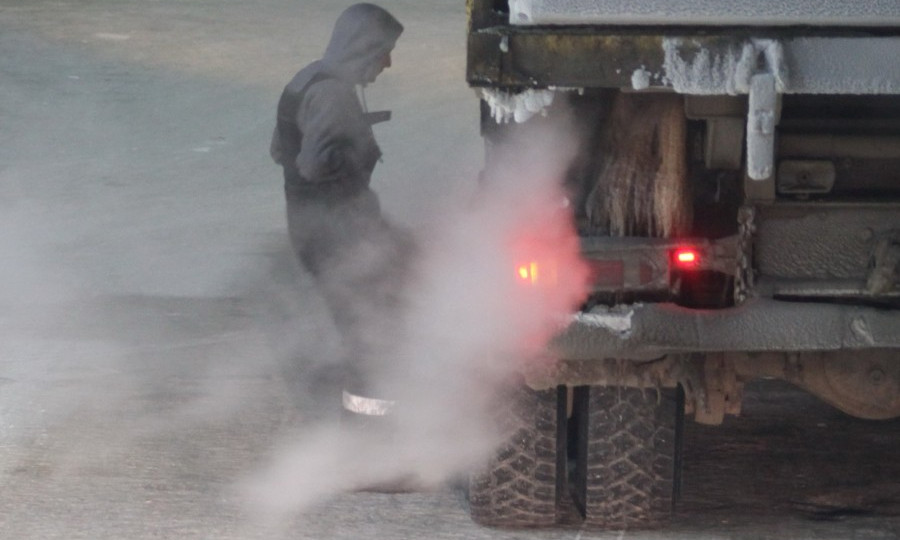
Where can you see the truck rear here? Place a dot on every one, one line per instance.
(737, 194)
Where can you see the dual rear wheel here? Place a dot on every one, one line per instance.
(613, 455)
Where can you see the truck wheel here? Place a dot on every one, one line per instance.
(626, 455)
(521, 484)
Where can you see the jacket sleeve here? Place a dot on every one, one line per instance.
(338, 144)
(275, 148)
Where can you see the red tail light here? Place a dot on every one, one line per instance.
(528, 272)
(537, 273)
(686, 258)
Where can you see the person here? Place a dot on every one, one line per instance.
(324, 141)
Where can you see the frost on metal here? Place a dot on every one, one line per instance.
(844, 65)
(693, 69)
(614, 319)
(707, 12)
(506, 106)
(640, 79)
(762, 118)
(818, 65)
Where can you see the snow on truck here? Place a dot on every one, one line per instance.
(737, 195)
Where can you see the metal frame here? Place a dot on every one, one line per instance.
(803, 61)
(711, 352)
(865, 13)
(648, 331)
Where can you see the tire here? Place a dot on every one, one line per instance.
(521, 484)
(626, 457)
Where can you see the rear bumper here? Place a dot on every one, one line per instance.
(646, 331)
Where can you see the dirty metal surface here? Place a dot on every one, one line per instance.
(820, 240)
(647, 331)
(707, 13)
(711, 62)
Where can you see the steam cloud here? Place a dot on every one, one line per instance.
(469, 324)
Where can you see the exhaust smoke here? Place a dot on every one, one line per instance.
(469, 323)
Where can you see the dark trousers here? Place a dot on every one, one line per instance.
(359, 263)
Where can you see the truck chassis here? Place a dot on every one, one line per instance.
(774, 160)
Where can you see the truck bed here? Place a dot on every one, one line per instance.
(862, 13)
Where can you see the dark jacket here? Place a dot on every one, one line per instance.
(322, 138)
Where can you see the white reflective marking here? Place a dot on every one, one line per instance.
(367, 406)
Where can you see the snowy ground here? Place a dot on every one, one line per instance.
(147, 292)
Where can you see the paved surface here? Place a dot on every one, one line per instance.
(152, 321)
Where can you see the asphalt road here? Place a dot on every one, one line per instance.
(153, 326)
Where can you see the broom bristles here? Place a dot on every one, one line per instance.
(641, 187)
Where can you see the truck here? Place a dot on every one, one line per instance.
(736, 193)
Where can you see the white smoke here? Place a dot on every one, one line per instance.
(470, 323)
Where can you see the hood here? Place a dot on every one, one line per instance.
(362, 35)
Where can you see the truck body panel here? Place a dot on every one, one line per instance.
(702, 63)
(865, 13)
(759, 138)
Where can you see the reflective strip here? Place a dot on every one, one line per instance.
(367, 406)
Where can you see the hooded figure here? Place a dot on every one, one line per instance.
(323, 140)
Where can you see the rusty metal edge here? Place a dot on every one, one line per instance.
(650, 331)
